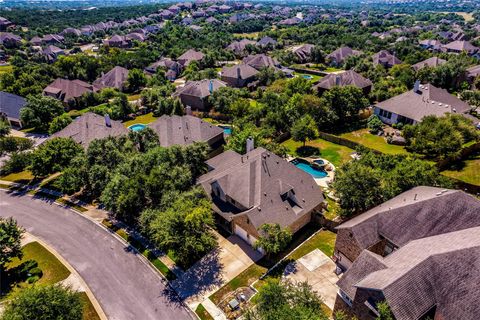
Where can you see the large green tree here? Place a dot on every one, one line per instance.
(53, 156)
(273, 239)
(44, 303)
(40, 111)
(10, 241)
(304, 129)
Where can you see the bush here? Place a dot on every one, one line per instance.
(28, 265)
(14, 144)
(36, 272)
(33, 279)
(18, 162)
(374, 124)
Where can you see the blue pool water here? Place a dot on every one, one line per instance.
(308, 77)
(227, 130)
(319, 161)
(314, 172)
(137, 127)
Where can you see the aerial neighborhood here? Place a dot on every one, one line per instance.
(235, 160)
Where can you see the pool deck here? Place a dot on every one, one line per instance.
(322, 182)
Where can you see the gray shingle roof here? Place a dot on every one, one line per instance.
(239, 46)
(429, 101)
(257, 181)
(342, 53)
(259, 61)
(184, 130)
(114, 78)
(10, 104)
(201, 88)
(189, 56)
(68, 89)
(430, 62)
(244, 70)
(347, 78)
(89, 127)
(385, 57)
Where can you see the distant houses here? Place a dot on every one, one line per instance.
(89, 127)
(303, 52)
(239, 47)
(339, 56)
(385, 59)
(347, 78)
(260, 61)
(195, 93)
(189, 56)
(172, 68)
(260, 187)
(10, 106)
(432, 62)
(416, 252)
(424, 100)
(9, 40)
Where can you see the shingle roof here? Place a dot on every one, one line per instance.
(9, 37)
(244, 70)
(190, 55)
(259, 61)
(200, 89)
(342, 53)
(114, 78)
(461, 46)
(430, 62)
(428, 101)
(239, 46)
(384, 57)
(266, 41)
(68, 89)
(89, 127)
(184, 130)
(473, 71)
(10, 104)
(347, 78)
(257, 181)
(304, 51)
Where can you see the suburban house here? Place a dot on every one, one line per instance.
(303, 52)
(185, 130)
(91, 126)
(5, 23)
(259, 187)
(68, 91)
(347, 78)
(473, 72)
(118, 42)
(10, 105)
(9, 40)
(459, 47)
(189, 56)
(419, 252)
(432, 62)
(267, 41)
(431, 44)
(339, 56)
(114, 78)
(385, 59)
(239, 75)
(424, 100)
(36, 41)
(53, 39)
(239, 47)
(171, 67)
(260, 61)
(51, 53)
(195, 93)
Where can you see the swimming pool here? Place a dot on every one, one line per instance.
(227, 130)
(306, 76)
(305, 166)
(137, 127)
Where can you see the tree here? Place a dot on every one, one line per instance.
(40, 111)
(440, 137)
(59, 123)
(136, 80)
(273, 239)
(5, 128)
(53, 156)
(44, 303)
(304, 129)
(384, 311)
(374, 124)
(286, 300)
(10, 241)
(183, 227)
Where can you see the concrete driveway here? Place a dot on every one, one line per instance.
(220, 266)
(123, 283)
(319, 271)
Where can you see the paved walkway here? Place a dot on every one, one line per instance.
(215, 312)
(319, 271)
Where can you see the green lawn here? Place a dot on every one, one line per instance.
(314, 78)
(20, 177)
(323, 240)
(133, 97)
(333, 209)
(372, 141)
(53, 270)
(202, 313)
(334, 153)
(144, 119)
(467, 170)
(89, 312)
(5, 69)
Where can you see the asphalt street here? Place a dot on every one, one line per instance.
(125, 286)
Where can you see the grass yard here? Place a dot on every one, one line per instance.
(333, 209)
(89, 312)
(467, 170)
(53, 270)
(133, 97)
(5, 69)
(323, 240)
(144, 119)
(372, 141)
(202, 313)
(250, 35)
(20, 177)
(334, 153)
(314, 78)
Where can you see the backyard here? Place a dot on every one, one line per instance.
(332, 152)
(143, 119)
(6, 68)
(467, 170)
(365, 138)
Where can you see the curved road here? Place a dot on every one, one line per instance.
(125, 286)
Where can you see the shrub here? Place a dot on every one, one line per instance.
(374, 124)
(36, 272)
(18, 162)
(33, 279)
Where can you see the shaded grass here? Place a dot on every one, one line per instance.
(20, 177)
(333, 209)
(202, 313)
(53, 270)
(372, 141)
(334, 153)
(144, 119)
(89, 312)
(6, 69)
(467, 170)
(133, 97)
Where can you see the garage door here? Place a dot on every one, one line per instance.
(243, 234)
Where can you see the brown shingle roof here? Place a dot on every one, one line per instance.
(260, 61)
(201, 88)
(89, 127)
(385, 58)
(347, 78)
(257, 181)
(430, 62)
(184, 130)
(428, 101)
(189, 56)
(66, 90)
(243, 70)
(342, 53)
(114, 78)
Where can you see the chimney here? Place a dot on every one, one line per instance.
(239, 76)
(188, 110)
(210, 86)
(337, 80)
(250, 144)
(108, 122)
(416, 87)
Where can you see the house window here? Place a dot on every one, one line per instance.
(385, 114)
(345, 297)
(389, 248)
